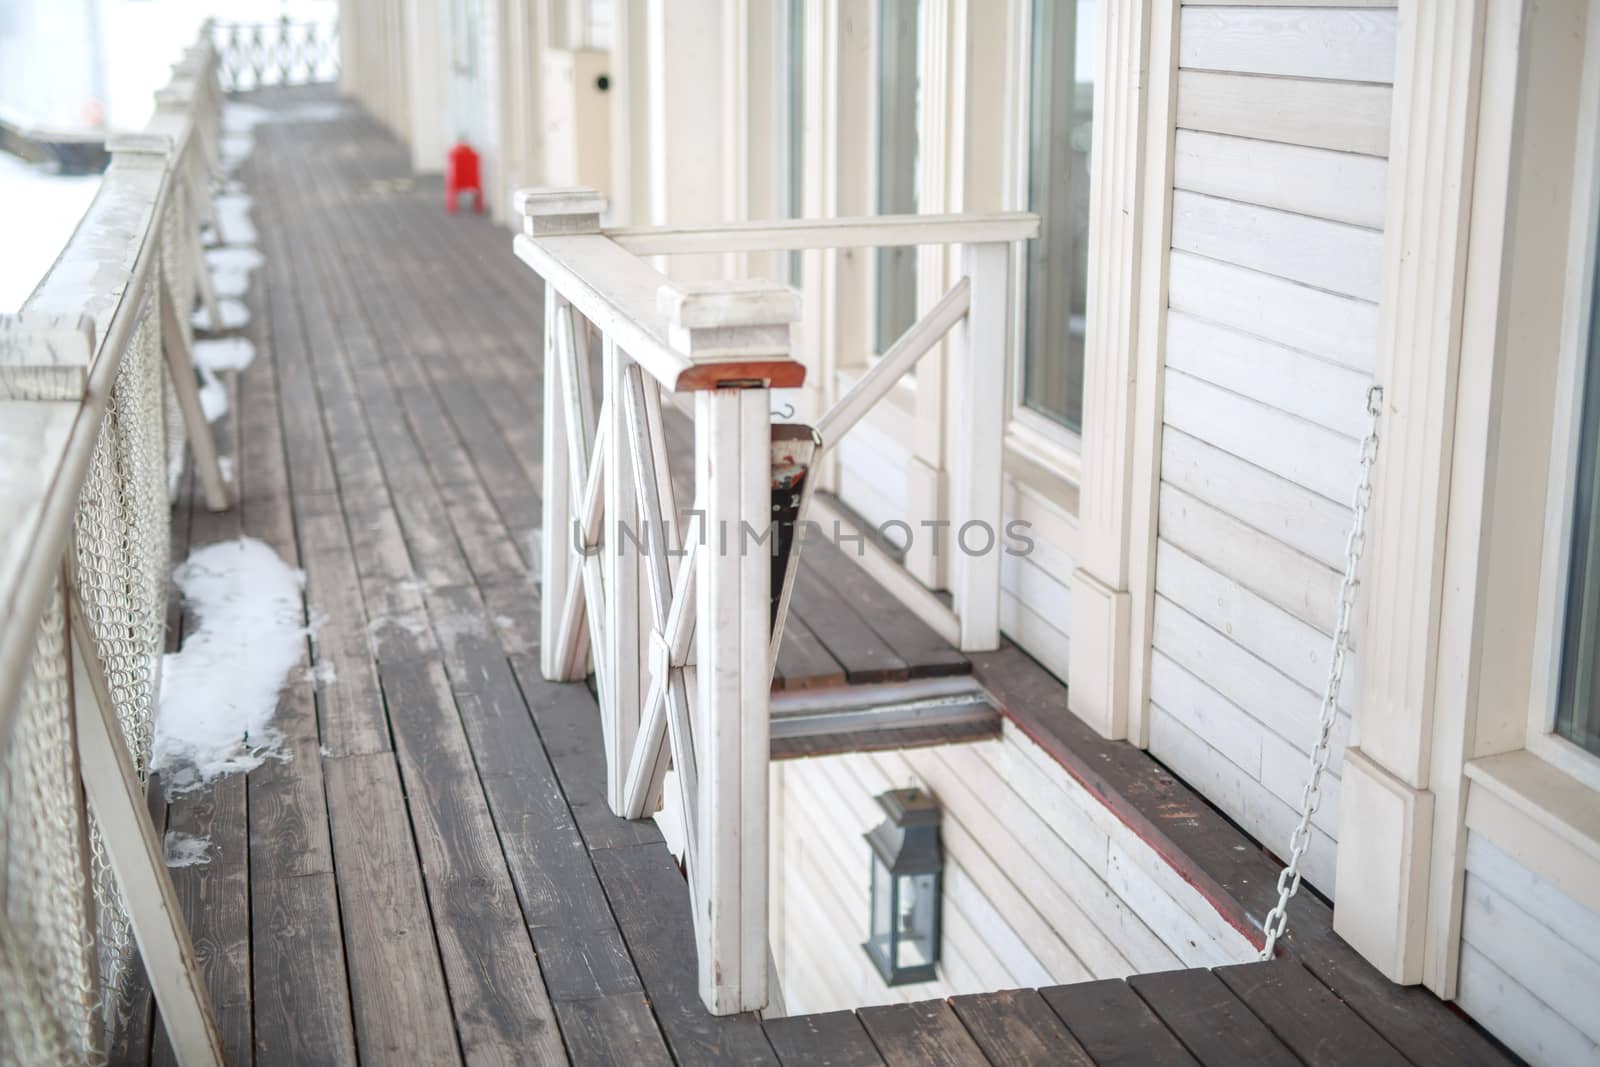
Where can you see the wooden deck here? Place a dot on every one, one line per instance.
(434, 877)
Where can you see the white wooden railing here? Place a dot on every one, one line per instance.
(681, 619)
(98, 401)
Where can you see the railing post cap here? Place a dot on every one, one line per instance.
(744, 302)
(559, 211)
(175, 96)
(140, 149)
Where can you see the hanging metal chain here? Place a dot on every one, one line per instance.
(1311, 797)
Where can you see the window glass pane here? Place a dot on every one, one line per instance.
(1578, 705)
(899, 97)
(917, 905)
(1061, 110)
(882, 911)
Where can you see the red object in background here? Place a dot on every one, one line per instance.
(461, 176)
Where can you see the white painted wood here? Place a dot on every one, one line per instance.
(732, 472)
(1341, 329)
(556, 559)
(1346, 116)
(1291, 448)
(1543, 960)
(1243, 799)
(204, 281)
(1264, 693)
(45, 357)
(116, 798)
(896, 361)
(1543, 900)
(978, 439)
(1310, 387)
(1189, 941)
(623, 655)
(1207, 713)
(1297, 517)
(1529, 1027)
(1304, 587)
(871, 231)
(1347, 45)
(180, 371)
(1295, 648)
(1284, 770)
(1333, 256)
(1318, 182)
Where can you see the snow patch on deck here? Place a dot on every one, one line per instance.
(235, 316)
(186, 850)
(220, 691)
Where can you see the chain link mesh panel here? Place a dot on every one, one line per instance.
(47, 973)
(122, 556)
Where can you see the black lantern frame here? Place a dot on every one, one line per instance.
(907, 889)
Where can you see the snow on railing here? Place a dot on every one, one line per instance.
(682, 620)
(98, 401)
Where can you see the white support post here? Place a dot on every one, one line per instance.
(733, 589)
(117, 800)
(623, 657)
(180, 365)
(555, 543)
(977, 537)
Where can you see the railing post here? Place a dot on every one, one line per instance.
(543, 213)
(978, 537)
(733, 606)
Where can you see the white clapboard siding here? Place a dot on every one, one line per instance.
(1285, 770)
(1505, 1008)
(1323, 184)
(1537, 896)
(1189, 940)
(1295, 648)
(1207, 712)
(1045, 639)
(1287, 579)
(1301, 519)
(1301, 42)
(1345, 116)
(1290, 447)
(1308, 386)
(998, 808)
(1262, 814)
(1338, 328)
(1335, 256)
(1543, 960)
(1022, 967)
(1282, 705)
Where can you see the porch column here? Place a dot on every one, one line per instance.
(1387, 812)
(1101, 637)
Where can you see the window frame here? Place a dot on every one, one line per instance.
(1579, 310)
(1039, 450)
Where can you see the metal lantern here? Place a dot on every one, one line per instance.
(907, 888)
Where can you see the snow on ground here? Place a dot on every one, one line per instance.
(235, 315)
(220, 690)
(669, 820)
(233, 218)
(213, 395)
(186, 850)
(224, 353)
(38, 212)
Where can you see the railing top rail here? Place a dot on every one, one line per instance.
(867, 231)
(686, 336)
(53, 395)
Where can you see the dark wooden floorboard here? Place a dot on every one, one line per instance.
(832, 1039)
(1306, 1016)
(1213, 1024)
(1017, 1026)
(924, 1033)
(1114, 1026)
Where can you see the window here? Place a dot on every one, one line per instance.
(1578, 696)
(899, 100)
(1060, 115)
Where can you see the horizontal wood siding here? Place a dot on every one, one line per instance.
(1042, 883)
(1530, 960)
(1274, 275)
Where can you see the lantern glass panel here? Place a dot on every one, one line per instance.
(918, 905)
(879, 938)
